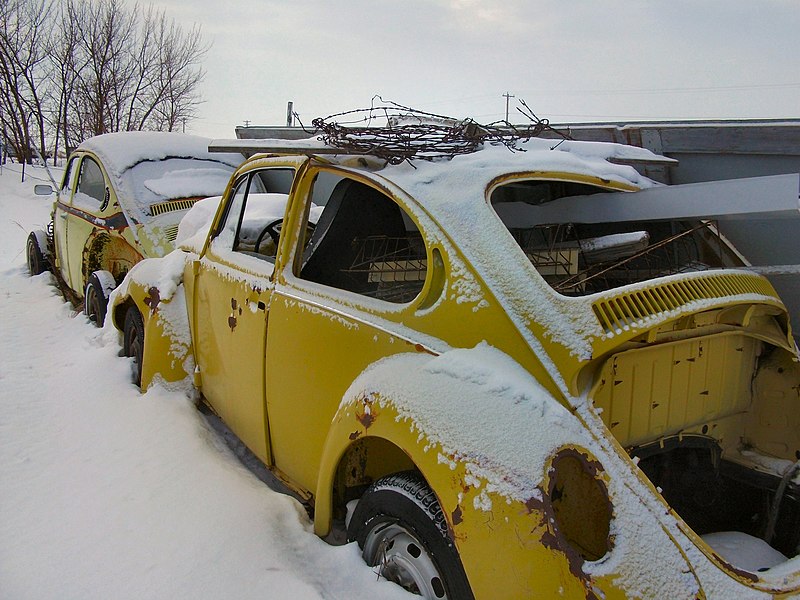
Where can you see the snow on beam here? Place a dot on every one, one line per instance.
(771, 197)
(254, 146)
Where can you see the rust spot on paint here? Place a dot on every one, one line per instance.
(704, 393)
(232, 322)
(533, 504)
(355, 435)
(233, 303)
(617, 381)
(553, 537)
(153, 299)
(458, 516)
(421, 348)
(749, 576)
(366, 419)
(656, 405)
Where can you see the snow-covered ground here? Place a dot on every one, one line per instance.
(107, 493)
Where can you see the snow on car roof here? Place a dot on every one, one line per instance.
(146, 167)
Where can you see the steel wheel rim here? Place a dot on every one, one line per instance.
(401, 558)
(33, 261)
(90, 303)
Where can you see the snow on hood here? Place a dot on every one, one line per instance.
(184, 183)
(193, 228)
(147, 167)
(261, 210)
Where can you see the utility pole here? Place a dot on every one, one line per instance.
(508, 97)
(289, 114)
(247, 122)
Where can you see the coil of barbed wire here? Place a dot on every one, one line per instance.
(414, 134)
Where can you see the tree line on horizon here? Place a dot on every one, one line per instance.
(71, 69)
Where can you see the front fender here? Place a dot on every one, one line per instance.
(155, 288)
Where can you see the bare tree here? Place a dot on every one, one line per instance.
(70, 69)
(23, 81)
(142, 71)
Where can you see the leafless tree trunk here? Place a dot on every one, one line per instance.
(70, 69)
(23, 63)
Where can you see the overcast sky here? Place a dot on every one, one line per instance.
(570, 60)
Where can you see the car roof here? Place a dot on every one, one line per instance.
(147, 167)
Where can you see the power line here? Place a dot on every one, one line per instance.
(676, 90)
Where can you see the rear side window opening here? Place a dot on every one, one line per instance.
(363, 242)
(578, 259)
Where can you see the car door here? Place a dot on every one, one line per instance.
(89, 200)
(337, 308)
(232, 289)
(61, 213)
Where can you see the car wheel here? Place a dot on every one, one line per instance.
(133, 342)
(35, 251)
(400, 528)
(95, 297)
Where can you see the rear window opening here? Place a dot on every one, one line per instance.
(577, 259)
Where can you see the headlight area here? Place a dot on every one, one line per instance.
(581, 508)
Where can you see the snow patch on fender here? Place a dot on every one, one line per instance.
(165, 274)
(489, 414)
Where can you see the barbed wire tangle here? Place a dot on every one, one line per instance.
(397, 133)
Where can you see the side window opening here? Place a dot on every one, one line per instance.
(91, 183)
(69, 175)
(255, 213)
(364, 243)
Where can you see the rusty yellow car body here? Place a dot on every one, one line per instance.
(120, 200)
(541, 422)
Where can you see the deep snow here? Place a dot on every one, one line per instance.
(108, 493)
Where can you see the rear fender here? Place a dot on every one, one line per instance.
(498, 450)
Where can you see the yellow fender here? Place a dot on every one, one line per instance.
(168, 351)
(527, 500)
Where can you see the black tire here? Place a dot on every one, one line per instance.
(36, 256)
(399, 524)
(95, 301)
(133, 342)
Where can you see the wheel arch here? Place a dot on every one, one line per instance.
(168, 351)
(363, 446)
(105, 251)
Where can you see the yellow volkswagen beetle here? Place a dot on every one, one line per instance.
(494, 395)
(121, 199)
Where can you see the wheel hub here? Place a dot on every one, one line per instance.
(403, 559)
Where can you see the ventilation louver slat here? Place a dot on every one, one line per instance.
(617, 313)
(161, 208)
